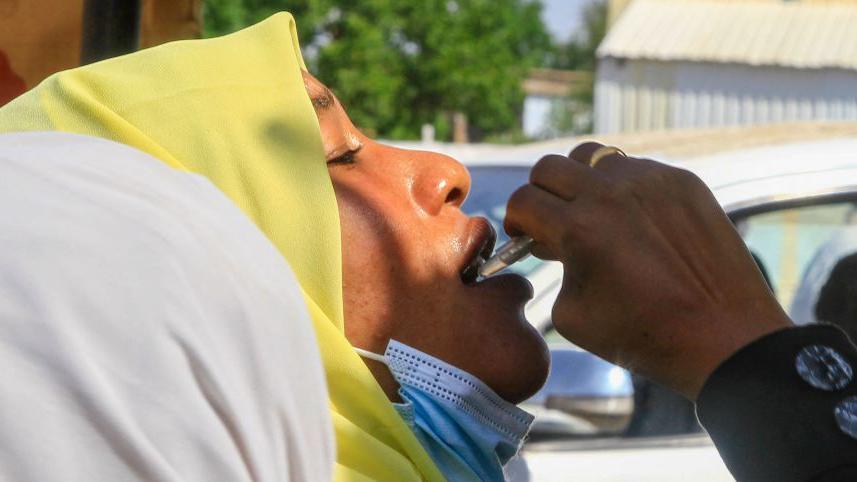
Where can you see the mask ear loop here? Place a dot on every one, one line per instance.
(371, 355)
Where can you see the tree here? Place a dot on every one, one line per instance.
(579, 53)
(398, 64)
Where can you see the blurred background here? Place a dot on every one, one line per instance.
(757, 97)
(504, 70)
(507, 71)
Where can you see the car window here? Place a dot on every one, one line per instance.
(554, 339)
(490, 191)
(805, 253)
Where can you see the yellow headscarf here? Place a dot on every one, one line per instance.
(235, 110)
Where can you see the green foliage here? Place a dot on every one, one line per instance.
(226, 16)
(574, 115)
(397, 64)
(579, 52)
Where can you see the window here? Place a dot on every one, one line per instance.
(799, 250)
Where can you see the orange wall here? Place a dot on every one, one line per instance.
(40, 37)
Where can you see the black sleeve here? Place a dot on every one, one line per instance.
(781, 408)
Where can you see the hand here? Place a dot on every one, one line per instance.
(656, 278)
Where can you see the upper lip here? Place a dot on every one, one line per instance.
(480, 245)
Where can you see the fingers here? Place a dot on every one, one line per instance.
(544, 208)
(536, 212)
(582, 153)
(561, 176)
(615, 165)
(541, 209)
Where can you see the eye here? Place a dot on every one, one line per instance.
(348, 157)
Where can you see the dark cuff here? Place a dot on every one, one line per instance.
(771, 408)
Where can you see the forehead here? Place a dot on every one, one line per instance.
(321, 96)
(311, 83)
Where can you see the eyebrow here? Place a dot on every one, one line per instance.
(322, 101)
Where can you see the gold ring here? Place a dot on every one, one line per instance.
(603, 152)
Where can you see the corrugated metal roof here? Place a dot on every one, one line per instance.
(789, 34)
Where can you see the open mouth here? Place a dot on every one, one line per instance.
(480, 252)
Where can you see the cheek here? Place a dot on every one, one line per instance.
(372, 229)
(384, 238)
(373, 255)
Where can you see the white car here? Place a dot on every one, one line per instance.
(794, 204)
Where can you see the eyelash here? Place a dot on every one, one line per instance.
(346, 158)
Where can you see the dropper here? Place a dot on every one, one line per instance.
(511, 252)
(519, 247)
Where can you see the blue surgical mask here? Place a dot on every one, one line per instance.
(466, 428)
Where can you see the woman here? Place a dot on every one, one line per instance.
(382, 253)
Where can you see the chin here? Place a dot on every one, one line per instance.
(526, 376)
(515, 358)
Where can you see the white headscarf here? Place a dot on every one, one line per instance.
(148, 330)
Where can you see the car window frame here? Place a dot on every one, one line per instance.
(771, 204)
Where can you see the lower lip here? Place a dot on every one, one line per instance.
(510, 284)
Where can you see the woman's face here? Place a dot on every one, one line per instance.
(406, 248)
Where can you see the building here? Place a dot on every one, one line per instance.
(548, 96)
(694, 63)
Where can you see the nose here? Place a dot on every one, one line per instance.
(440, 181)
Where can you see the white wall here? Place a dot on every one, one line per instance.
(537, 115)
(637, 95)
